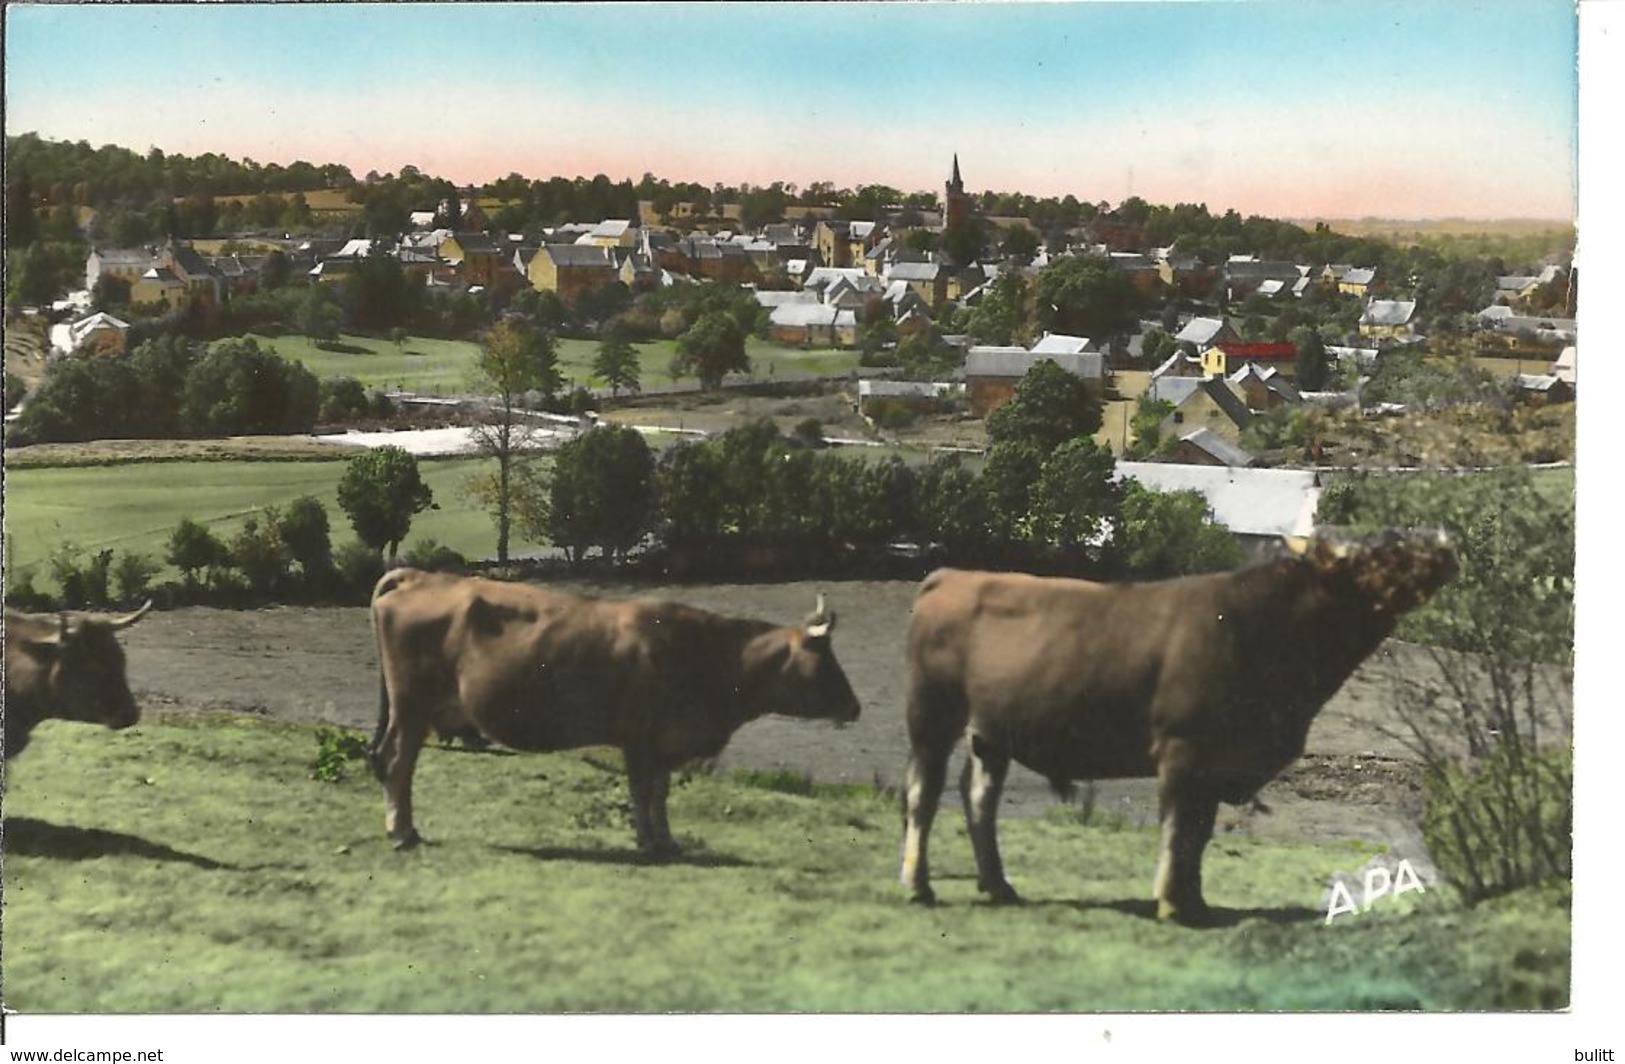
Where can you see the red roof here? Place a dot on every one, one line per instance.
(1276, 352)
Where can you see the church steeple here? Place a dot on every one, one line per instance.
(956, 206)
(954, 183)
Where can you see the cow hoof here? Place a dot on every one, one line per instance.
(1002, 894)
(407, 842)
(1185, 915)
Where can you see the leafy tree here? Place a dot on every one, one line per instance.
(1311, 364)
(238, 387)
(1001, 315)
(1086, 296)
(1020, 244)
(193, 548)
(132, 575)
(303, 530)
(1009, 479)
(965, 242)
(692, 498)
(602, 492)
(1076, 498)
(1050, 407)
(342, 398)
(954, 509)
(514, 358)
(318, 316)
(380, 294)
(616, 363)
(710, 348)
(257, 551)
(381, 490)
(1162, 534)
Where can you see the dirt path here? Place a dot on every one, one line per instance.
(320, 665)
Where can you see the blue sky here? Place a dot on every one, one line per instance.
(1298, 108)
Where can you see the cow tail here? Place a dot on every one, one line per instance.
(387, 583)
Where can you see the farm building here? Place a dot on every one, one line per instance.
(98, 334)
(1258, 506)
(920, 396)
(992, 373)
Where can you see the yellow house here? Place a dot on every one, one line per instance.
(571, 270)
(1388, 319)
(1212, 362)
(158, 286)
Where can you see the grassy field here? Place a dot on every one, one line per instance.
(442, 367)
(193, 865)
(135, 507)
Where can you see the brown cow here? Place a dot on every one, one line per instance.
(65, 667)
(1208, 683)
(536, 669)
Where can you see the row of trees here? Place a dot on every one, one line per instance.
(1046, 496)
(169, 387)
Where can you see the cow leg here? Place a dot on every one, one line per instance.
(396, 760)
(1188, 813)
(650, 786)
(927, 771)
(980, 786)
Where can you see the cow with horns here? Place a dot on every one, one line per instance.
(68, 667)
(541, 670)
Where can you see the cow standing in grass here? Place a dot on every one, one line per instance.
(535, 669)
(66, 667)
(1207, 683)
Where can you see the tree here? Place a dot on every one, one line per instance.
(710, 348)
(602, 492)
(963, 243)
(1086, 296)
(318, 317)
(1076, 499)
(193, 548)
(514, 358)
(1001, 315)
(303, 529)
(616, 363)
(381, 490)
(1050, 407)
(1311, 364)
(238, 387)
(1020, 243)
(1162, 534)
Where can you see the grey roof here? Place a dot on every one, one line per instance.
(1358, 275)
(1514, 283)
(915, 271)
(474, 242)
(920, 389)
(805, 315)
(578, 255)
(1261, 270)
(1200, 330)
(1388, 312)
(1173, 390)
(124, 256)
(1016, 361)
(1061, 344)
(1257, 502)
(779, 299)
(1212, 443)
(191, 263)
(1218, 389)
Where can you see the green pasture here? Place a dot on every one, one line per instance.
(134, 507)
(194, 865)
(442, 367)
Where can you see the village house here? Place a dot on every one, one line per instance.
(1244, 273)
(158, 286)
(1388, 319)
(125, 264)
(571, 270)
(96, 334)
(1213, 404)
(611, 233)
(812, 325)
(1264, 388)
(1546, 389)
(992, 373)
(928, 280)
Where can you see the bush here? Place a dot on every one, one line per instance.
(432, 555)
(358, 566)
(194, 549)
(259, 553)
(334, 748)
(303, 529)
(83, 583)
(343, 399)
(132, 576)
(1504, 823)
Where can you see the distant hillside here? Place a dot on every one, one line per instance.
(1417, 228)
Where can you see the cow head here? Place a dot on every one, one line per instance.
(87, 671)
(1391, 573)
(797, 674)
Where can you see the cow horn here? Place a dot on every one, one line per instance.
(124, 622)
(821, 621)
